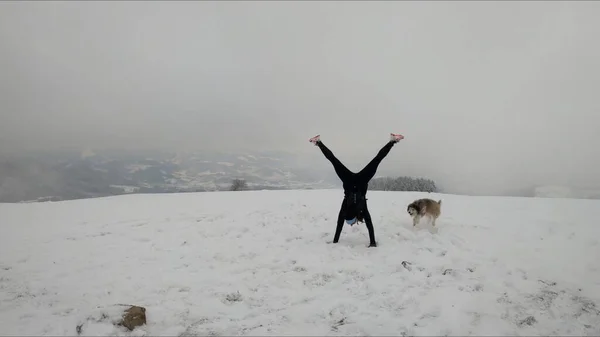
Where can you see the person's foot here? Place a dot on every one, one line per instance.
(315, 139)
(373, 244)
(396, 137)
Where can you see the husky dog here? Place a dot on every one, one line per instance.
(424, 207)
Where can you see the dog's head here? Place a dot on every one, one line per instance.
(412, 209)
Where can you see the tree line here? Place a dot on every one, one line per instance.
(376, 184)
(402, 184)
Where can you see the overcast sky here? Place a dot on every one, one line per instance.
(498, 93)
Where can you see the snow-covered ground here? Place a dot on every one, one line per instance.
(261, 263)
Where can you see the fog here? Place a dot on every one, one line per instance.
(490, 96)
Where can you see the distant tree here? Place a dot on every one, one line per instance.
(238, 185)
(403, 184)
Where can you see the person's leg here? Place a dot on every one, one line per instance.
(341, 170)
(367, 173)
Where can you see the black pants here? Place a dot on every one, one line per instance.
(360, 179)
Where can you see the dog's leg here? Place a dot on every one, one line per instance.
(433, 222)
(416, 219)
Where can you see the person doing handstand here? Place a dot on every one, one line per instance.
(354, 206)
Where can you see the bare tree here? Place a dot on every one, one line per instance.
(238, 185)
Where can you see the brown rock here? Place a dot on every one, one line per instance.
(133, 317)
(125, 315)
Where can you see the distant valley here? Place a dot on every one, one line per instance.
(92, 173)
(67, 175)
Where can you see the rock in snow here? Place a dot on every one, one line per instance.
(119, 315)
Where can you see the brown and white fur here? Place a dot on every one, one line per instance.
(424, 207)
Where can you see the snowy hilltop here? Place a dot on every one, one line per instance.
(262, 263)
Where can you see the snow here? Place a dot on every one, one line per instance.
(553, 191)
(126, 188)
(247, 158)
(87, 153)
(261, 263)
(556, 191)
(133, 168)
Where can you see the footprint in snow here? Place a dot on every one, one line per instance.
(353, 276)
(427, 318)
(319, 280)
(296, 238)
(99, 234)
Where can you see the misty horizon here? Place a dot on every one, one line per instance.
(490, 97)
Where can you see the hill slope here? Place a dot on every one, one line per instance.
(495, 266)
